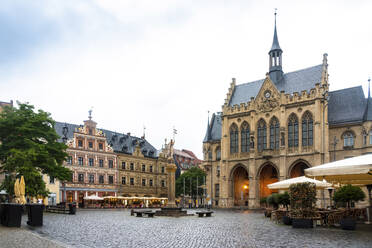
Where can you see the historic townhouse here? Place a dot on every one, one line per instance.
(184, 160)
(274, 128)
(107, 163)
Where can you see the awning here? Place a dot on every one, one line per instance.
(286, 183)
(93, 197)
(355, 170)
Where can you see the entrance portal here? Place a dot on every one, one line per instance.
(298, 170)
(268, 175)
(240, 186)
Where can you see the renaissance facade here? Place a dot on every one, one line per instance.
(272, 129)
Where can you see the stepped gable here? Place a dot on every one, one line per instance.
(291, 82)
(121, 143)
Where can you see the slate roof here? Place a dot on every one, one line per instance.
(347, 106)
(121, 143)
(275, 45)
(295, 81)
(214, 128)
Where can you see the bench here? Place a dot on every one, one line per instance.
(206, 213)
(140, 213)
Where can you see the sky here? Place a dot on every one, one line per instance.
(164, 64)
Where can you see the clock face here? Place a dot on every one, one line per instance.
(267, 94)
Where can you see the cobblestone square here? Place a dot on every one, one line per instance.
(227, 228)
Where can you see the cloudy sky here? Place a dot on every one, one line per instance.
(165, 63)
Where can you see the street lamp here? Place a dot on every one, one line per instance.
(330, 189)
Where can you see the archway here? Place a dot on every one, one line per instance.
(240, 186)
(298, 169)
(268, 174)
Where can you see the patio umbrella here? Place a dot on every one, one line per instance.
(355, 171)
(93, 197)
(22, 187)
(16, 190)
(286, 183)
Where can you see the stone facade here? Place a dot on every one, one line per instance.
(272, 129)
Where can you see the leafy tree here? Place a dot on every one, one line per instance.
(348, 194)
(192, 177)
(29, 147)
(273, 200)
(302, 199)
(284, 199)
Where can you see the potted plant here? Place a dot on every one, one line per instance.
(271, 201)
(302, 201)
(348, 194)
(284, 200)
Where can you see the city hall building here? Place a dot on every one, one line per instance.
(273, 128)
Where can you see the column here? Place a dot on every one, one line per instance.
(171, 169)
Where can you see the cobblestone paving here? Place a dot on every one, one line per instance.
(116, 228)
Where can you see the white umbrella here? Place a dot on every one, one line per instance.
(355, 170)
(286, 183)
(93, 197)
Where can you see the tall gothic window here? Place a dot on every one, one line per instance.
(307, 129)
(234, 139)
(261, 137)
(348, 139)
(218, 153)
(245, 142)
(292, 131)
(274, 133)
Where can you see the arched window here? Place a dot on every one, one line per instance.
(307, 129)
(370, 137)
(274, 133)
(292, 131)
(218, 153)
(234, 139)
(261, 137)
(348, 139)
(245, 141)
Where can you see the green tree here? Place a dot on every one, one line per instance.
(192, 177)
(29, 147)
(348, 194)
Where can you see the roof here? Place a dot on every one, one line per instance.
(182, 154)
(275, 45)
(295, 81)
(215, 128)
(121, 143)
(347, 106)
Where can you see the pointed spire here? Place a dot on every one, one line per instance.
(208, 133)
(367, 116)
(275, 45)
(369, 87)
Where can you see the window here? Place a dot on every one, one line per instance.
(91, 178)
(233, 139)
(218, 171)
(150, 183)
(217, 190)
(101, 163)
(90, 131)
(80, 143)
(91, 162)
(51, 180)
(101, 179)
(131, 181)
(348, 139)
(218, 154)
(244, 133)
(90, 144)
(162, 183)
(81, 160)
(162, 170)
(150, 168)
(111, 179)
(370, 137)
(100, 146)
(123, 165)
(274, 134)
(307, 129)
(143, 168)
(81, 178)
(143, 182)
(69, 160)
(131, 166)
(123, 180)
(261, 137)
(209, 155)
(111, 163)
(292, 131)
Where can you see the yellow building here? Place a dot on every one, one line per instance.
(274, 128)
(53, 186)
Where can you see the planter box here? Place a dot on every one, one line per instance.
(348, 224)
(302, 223)
(35, 214)
(11, 215)
(287, 220)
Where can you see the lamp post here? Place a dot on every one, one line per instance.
(330, 189)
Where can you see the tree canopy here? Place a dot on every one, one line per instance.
(192, 177)
(348, 194)
(29, 147)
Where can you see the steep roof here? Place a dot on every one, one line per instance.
(215, 128)
(275, 45)
(295, 81)
(121, 143)
(347, 106)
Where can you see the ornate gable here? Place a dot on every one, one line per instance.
(268, 98)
